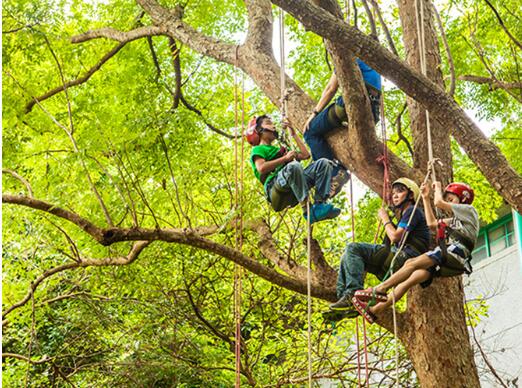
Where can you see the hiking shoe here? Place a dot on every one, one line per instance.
(322, 211)
(338, 181)
(343, 304)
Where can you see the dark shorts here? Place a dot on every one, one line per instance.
(437, 257)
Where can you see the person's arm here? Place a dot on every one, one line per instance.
(303, 153)
(431, 220)
(265, 166)
(394, 234)
(327, 95)
(439, 199)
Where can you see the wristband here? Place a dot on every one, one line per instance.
(386, 223)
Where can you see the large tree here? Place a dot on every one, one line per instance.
(432, 328)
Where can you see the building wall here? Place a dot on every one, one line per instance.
(497, 281)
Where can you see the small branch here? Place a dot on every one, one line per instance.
(74, 249)
(173, 179)
(177, 71)
(15, 175)
(42, 360)
(494, 83)
(502, 24)
(79, 221)
(132, 256)
(120, 36)
(384, 27)
(73, 295)
(269, 250)
(30, 26)
(398, 124)
(479, 50)
(370, 18)
(78, 81)
(451, 90)
(198, 112)
(154, 57)
(482, 353)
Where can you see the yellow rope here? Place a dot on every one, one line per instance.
(238, 225)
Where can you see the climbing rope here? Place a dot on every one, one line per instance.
(282, 60)
(283, 110)
(309, 290)
(238, 225)
(352, 216)
(419, 17)
(365, 346)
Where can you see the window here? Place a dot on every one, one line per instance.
(494, 238)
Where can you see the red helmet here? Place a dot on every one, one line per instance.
(461, 190)
(251, 133)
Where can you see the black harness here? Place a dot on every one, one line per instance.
(451, 265)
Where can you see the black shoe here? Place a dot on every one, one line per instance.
(337, 315)
(338, 182)
(343, 304)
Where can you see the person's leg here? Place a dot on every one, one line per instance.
(315, 136)
(351, 270)
(418, 276)
(319, 174)
(420, 262)
(292, 177)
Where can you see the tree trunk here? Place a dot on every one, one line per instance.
(436, 335)
(440, 138)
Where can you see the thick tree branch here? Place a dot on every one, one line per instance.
(191, 237)
(170, 23)
(260, 25)
(79, 221)
(482, 151)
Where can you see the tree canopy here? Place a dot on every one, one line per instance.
(119, 176)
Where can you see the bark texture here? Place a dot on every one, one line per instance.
(435, 335)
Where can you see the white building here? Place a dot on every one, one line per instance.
(497, 282)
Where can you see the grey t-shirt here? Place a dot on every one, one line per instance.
(465, 221)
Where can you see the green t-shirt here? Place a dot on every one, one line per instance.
(267, 152)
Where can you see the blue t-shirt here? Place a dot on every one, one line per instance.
(370, 77)
(417, 228)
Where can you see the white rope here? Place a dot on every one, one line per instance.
(419, 17)
(282, 59)
(309, 290)
(308, 226)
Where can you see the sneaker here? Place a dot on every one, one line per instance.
(338, 181)
(322, 211)
(345, 303)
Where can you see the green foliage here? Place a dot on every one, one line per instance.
(167, 320)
